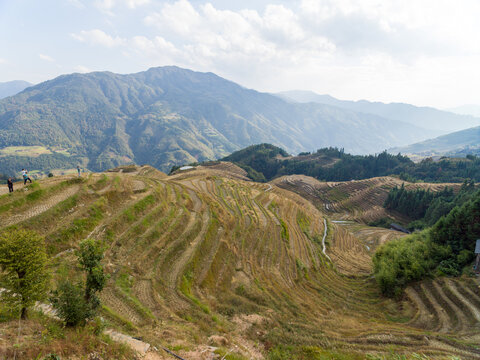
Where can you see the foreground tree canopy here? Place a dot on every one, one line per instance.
(23, 262)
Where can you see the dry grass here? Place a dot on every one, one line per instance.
(189, 255)
(40, 336)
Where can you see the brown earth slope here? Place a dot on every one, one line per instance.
(359, 200)
(204, 258)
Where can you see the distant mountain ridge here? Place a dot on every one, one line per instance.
(167, 116)
(460, 143)
(473, 110)
(425, 117)
(10, 88)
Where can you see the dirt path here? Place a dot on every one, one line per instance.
(323, 240)
(197, 203)
(42, 207)
(139, 346)
(143, 349)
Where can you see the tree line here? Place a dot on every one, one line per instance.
(443, 249)
(264, 162)
(425, 207)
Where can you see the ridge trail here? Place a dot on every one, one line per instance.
(323, 240)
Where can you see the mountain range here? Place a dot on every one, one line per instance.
(10, 88)
(168, 115)
(426, 117)
(470, 109)
(459, 143)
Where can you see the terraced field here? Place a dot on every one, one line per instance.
(359, 200)
(204, 255)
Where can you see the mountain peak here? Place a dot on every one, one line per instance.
(167, 116)
(10, 88)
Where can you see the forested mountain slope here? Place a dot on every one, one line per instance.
(266, 162)
(167, 116)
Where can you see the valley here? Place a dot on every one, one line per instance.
(209, 264)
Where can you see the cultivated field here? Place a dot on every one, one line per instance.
(359, 200)
(207, 263)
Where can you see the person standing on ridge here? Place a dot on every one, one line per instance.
(25, 177)
(10, 185)
(78, 169)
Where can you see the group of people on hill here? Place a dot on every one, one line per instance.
(27, 178)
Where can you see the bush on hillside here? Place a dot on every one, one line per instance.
(443, 249)
(69, 302)
(402, 261)
(76, 303)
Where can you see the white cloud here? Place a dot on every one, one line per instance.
(108, 5)
(81, 69)
(77, 3)
(46, 57)
(98, 37)
(3, 61)
(157, 44)
(209, 36)
(373, 49)
(132, 4)
(390, 50)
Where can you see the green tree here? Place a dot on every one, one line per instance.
(23, 261)
(69, 302)
(76, 302)
(90, 255)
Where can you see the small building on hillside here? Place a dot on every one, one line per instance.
(477, 254)
(397, 227)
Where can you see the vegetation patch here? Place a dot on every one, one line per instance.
(31, 151)
(186, 289)
(443, 249)
(333, 164)
(426, 207)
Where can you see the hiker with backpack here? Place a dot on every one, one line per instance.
(25, 177)
(10, 185)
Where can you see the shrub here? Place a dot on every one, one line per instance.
(69, 302)
(76, 303)
(448, 267)
(404, 260)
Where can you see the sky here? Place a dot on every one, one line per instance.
(421, 52)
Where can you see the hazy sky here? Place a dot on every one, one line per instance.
(423, 52)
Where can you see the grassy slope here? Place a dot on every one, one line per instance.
(359, 200)
(205, 253)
